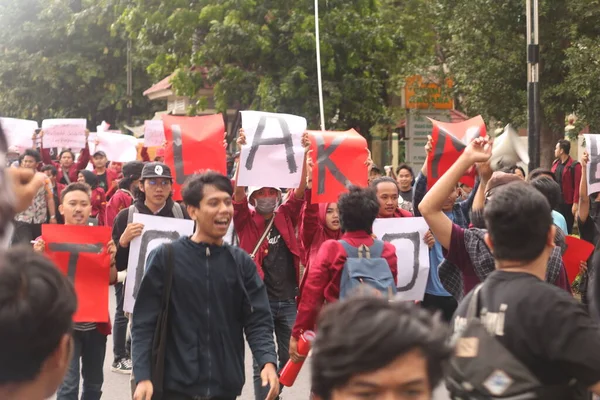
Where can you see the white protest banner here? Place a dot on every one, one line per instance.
(154, 133)
(592, 146)
(117, 146)
(19, 132)
(273, 155)
(64, 133)
(407, 234)
(157, 230)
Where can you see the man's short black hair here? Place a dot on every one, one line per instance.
(363, 334)
(37, 303)
(193, 189)
(406, 167)
(51, 168)
(384, 179)
(518, 219)
(358, 209)
(550, 189)
(565, 145)
(73, 187)
(31, 153)
(536, 173)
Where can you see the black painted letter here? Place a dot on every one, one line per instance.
(148, 237)
(180, 175)
(286, 140)
(74, 249)
(415, 238)
(594, 160)
(324, 162)
(439, 151)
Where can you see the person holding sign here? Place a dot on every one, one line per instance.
(388, 194)
(89, 338)
(268, 233)
(358, 210)
(217, 296)
(66, 166)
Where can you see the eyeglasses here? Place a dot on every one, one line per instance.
(162, 182)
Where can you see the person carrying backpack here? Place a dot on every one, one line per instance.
(356, 263)
(567, 173)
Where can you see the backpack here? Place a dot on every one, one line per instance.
(365, 268)
(176, 210)
(482, 368)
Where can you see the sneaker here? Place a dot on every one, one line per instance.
(122, 366)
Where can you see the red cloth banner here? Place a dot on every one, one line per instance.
(80, 253)
(338, 161)
(578, 250)
(448, 142)
(194, 144)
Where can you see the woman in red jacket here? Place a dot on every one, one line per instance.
(98, 195)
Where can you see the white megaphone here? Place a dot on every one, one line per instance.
(508, 150)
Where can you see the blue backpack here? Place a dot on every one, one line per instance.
(366, 269)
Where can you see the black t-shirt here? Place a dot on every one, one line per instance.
(540, 324)
(102, 183)
(278, 266)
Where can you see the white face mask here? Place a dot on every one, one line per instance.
(265, 205)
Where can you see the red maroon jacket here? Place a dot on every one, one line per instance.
(250, 226)
(121, 200)
(83, 161)
(399, 213)
(569, 189)
(112, 178)
(323, 280)
(99, 205)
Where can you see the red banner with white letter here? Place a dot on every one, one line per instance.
(194, 144)
(338, 161)
(80, 252)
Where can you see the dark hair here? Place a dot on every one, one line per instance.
(31, 153)
(550, 189)
(51, 168)
(66, 151)
(384, 179)
(565, 145)
(37, 304)
(518, 218)
(406, 167)
(536, 173)
(514, 169)
(90, 178)
(358, 209)
(363, 334)
(73, 187)
(193, 189)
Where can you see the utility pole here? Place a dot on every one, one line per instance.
(129, 85)
(533, 84)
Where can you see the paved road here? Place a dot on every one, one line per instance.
(116, 386)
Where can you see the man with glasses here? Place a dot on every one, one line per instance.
(153, 198)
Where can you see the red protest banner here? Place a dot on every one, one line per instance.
(578, 250)
(80, 253)
(448, 142)
(339, 160)
(194, 144)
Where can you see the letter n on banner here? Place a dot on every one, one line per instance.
(338, 161)
(80, 253)
(194, 144)
(449, 141)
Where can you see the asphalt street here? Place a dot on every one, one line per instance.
(116, 386)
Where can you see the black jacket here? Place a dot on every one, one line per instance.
(216, 297)
(122, 256)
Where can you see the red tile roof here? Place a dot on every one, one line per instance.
(165, 84)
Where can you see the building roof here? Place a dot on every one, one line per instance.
(165, 84)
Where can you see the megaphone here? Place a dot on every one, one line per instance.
(508, 150)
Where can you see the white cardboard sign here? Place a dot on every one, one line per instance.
(19, 132)
(64, 133)
(592, 146)
(407, 235)
(273, 155)
(117, 146)
(157, 230)
(154, 133)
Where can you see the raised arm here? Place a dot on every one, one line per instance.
(84, 157)
(584, 200)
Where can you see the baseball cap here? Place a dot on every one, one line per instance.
(156, 170)
(99, 153)
(133, 169)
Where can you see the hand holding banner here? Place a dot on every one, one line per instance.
(592, 146)
(449, 141)
(80, 252)
(578, 251)
(19, 132)
(338, 161)
(194, 144)
(154, 133)
(407, 234)
(64, 133)
(273, 155)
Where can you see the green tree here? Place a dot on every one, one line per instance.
(59, 59)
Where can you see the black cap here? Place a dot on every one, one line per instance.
(133, 169)
(156, 170)
(99, 153)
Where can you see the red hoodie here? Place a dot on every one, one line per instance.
(120, 200)
(74, 169)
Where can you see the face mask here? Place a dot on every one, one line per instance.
(266, 205)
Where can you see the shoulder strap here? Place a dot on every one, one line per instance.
(262, 238)
(132, 210)
(377, 248)
(473, 308)
(177, 212)
(169, 276)
(351, 251)
(573, 165)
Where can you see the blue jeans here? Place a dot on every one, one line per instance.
(120, 325)
(284, 317)
(90, 347)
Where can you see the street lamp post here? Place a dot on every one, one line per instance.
(533, 84)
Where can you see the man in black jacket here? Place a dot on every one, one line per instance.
(153, 198)
(217, 297)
